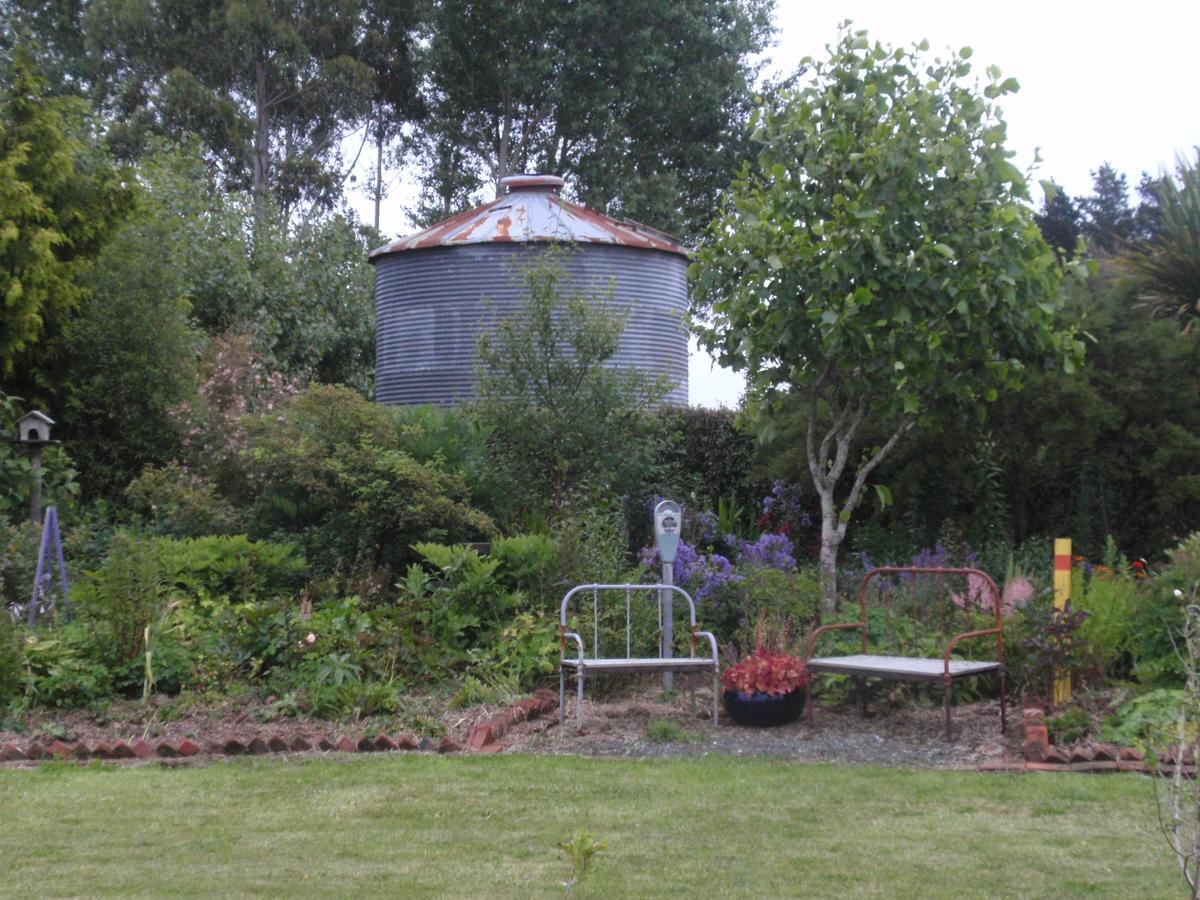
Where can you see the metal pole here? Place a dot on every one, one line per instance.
(665, 599)
(35, 499)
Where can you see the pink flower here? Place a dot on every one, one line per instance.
(312, 638)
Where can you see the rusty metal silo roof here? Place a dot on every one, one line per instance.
(532, 210)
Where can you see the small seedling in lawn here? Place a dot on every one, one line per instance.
(663, 731)
(579, 850)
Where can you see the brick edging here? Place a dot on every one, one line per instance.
(1042, 756)
(484, 738)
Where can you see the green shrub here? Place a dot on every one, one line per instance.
(12, 659)
(1070, 727)
(529, 563)
(328, 469)
(233, 567)
(125, 596)
(18, 562)
(169, 501)
(1150, 721)
(1108, 630)
(66, 669)
(1158, 616)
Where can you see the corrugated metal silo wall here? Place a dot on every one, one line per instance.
(431, 305)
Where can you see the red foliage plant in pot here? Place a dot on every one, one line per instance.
(766, 687)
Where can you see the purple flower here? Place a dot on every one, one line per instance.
(770, 551)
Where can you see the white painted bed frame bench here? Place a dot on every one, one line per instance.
(582, 665)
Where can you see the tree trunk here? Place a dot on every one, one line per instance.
(379, 137)
(262, 148)
(831, 542)
(502, 160)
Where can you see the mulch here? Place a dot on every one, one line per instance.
(616, 725)
(891, 735)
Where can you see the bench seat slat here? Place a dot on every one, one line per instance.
(901, 668)
(645, 664)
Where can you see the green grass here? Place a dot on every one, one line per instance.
(488, 826)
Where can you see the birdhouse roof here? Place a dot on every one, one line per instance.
(38, 415)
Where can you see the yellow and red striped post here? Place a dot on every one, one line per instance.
(1062, 593)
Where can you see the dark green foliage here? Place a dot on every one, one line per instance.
(327, 469)
(170, 502)
(12, 659)
(1070, 727)
(1108, 221)
(706, 456)
(1059, 222)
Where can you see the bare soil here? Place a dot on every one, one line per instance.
(636, 721)
(901, 734)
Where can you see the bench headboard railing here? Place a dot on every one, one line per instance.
(628, 589)
(983, 579)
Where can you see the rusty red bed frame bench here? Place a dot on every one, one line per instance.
(902, 668)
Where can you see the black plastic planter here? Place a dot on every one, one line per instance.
(763, 709)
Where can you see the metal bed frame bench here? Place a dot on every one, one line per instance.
(582, 665)
(901, 668)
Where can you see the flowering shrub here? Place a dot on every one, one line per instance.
(772, 551)
(766, 672)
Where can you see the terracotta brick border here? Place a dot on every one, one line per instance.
(1042, 756)
(484, 738)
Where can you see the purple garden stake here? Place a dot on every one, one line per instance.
(43, 578)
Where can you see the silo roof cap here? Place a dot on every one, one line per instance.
(531, 210)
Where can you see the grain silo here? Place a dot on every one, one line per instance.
(437, 290)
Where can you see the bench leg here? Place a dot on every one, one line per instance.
(692, 694)
(949, 698)
(562, 696)
(716, 697)
(1003, 706)
(579, 700)
(808, 701)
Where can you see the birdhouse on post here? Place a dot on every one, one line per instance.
(34, 428)
(33, 431)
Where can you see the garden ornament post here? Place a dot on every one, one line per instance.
(668, 523)
(1062, 596)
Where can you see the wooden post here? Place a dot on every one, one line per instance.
(1062, 593)
(35, 496)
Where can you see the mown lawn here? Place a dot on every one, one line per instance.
(488, 826)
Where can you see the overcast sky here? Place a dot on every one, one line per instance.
(1099, 83)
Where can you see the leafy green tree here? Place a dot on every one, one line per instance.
(560, 414)
(1166, 266)
(59, 200)
(880, 262)
(639, 104)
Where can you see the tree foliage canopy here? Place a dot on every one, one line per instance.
(880, 260)
(58, 202)
(640, 104)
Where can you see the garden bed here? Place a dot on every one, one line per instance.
(641, 722)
